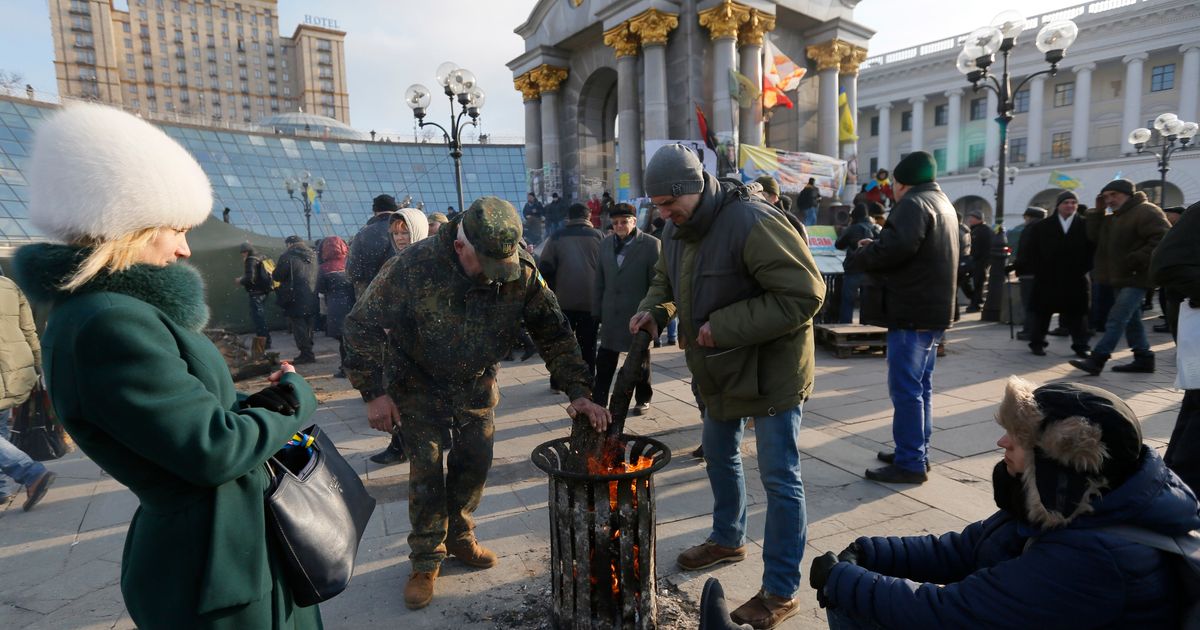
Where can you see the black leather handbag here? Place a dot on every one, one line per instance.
(317, 510)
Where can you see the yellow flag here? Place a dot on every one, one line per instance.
(845, 120)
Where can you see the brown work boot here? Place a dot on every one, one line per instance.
(765, 610)
(419, 590)
(709, 553)
(471, 552)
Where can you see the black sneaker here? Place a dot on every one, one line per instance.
(304, 357)
(889, 457)
(894, 474)
(639, 409)
(389, 457)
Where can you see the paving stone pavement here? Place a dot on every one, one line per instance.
(62, 560)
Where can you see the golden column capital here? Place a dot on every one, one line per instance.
(725, 19)
(829, 55)
(652, 26)
(853, 59)
(755, 28)
(622, 40)
(527, 87)
(547, 78)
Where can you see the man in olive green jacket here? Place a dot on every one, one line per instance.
(1124, 242)
(745, 288)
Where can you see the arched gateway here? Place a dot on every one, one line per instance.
(602, 78)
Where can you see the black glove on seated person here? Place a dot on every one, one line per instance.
(852, 553)
(280, 398)
(818, 575)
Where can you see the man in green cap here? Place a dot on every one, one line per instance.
(432, 326)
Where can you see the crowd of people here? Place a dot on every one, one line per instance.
(425, 309)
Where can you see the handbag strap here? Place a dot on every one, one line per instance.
(1186, 545)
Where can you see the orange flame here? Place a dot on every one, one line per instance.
(597, 466)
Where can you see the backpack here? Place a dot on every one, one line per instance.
(264, 276)
(1183, 557)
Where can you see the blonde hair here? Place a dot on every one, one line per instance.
(109, 256)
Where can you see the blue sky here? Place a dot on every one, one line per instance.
(388, 48)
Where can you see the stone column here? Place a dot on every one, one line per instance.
(991, 152)
(829, 57)
(885, 136)
(629, 123)
(750, 41)
(533, 121)
(918, 123)
(1189, 83)
(651, 27)
(723, 22)
(1083, 111)
(848, 81)
(1133, 99)
(1033, 138)
(953, 124)
(548, 79)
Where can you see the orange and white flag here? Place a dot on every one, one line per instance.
(780, 75)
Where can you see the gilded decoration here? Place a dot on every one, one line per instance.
(724, 20)
(622, 40)
(755, 28)
(547, 77)
(652, 26)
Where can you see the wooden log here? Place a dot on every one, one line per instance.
(585, 441)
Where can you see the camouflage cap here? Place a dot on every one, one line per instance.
(494, 229)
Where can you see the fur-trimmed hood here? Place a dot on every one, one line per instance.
(98, 172)
(175, 289)
(1080, 442)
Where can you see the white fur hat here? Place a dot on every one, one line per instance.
(99, 172)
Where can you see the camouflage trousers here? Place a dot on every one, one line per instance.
(442, 500)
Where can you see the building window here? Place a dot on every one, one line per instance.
(324, 58)
(81, 23)
(133, 88)
(1016, 150)
(1060, 145)
(906, 121)
(978, 108)
(85, 56)
(874, 127)
(939, 156)
(126, 27)
(1064, 94)
(941, 115)
(326, 85)
(129, 42)
(1021, 101)
(975, 155)
(1162, 78)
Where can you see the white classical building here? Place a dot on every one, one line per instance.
(1133, 60)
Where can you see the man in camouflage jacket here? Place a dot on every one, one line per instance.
(433, 326)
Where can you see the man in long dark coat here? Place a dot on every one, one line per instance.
(1057, 253)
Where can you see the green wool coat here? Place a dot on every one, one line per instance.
(149, 398)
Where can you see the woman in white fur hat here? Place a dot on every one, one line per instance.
(137, 385)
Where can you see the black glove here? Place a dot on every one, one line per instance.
(852, 554)
(818, 575)
(280, 398)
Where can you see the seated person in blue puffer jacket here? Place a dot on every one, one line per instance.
(1074, 463)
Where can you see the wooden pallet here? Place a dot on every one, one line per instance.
(849, 339)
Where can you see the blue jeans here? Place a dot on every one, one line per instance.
(672, 330)
(14, 462)
(258, 314)
(910, 358)
(810, 216)
(779, 469)
(851, 281)
(1125, 316)
(840, 619)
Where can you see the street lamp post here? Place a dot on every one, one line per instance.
(986, 174)
(977, 57)
(458, 84)
(305, 183)
(1173, 135)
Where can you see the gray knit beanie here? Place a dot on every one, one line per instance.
(674, 170)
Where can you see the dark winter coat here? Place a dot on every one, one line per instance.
(855, 232)
(149, 399)
(1125, 241)
(1175, 264)
(569, 262)
(981, 246)
(738, 265)
(251, 279)
(296, 272)
(1059, 264)
(998, 573)
(914, 263)
(369, 249)
(339, 299)
(619, 289)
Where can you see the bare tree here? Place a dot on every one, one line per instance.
(11, 80)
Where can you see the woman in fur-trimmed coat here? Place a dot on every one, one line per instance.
(138, 386)
(1074, 463)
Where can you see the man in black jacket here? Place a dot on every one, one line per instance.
(860, 227)
(569, 262)
(916, 255)
(372, 246)
(1056, 255)
(981, 257)
(257, 283)
(296, 273)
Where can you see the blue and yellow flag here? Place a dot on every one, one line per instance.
(1059, 179)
